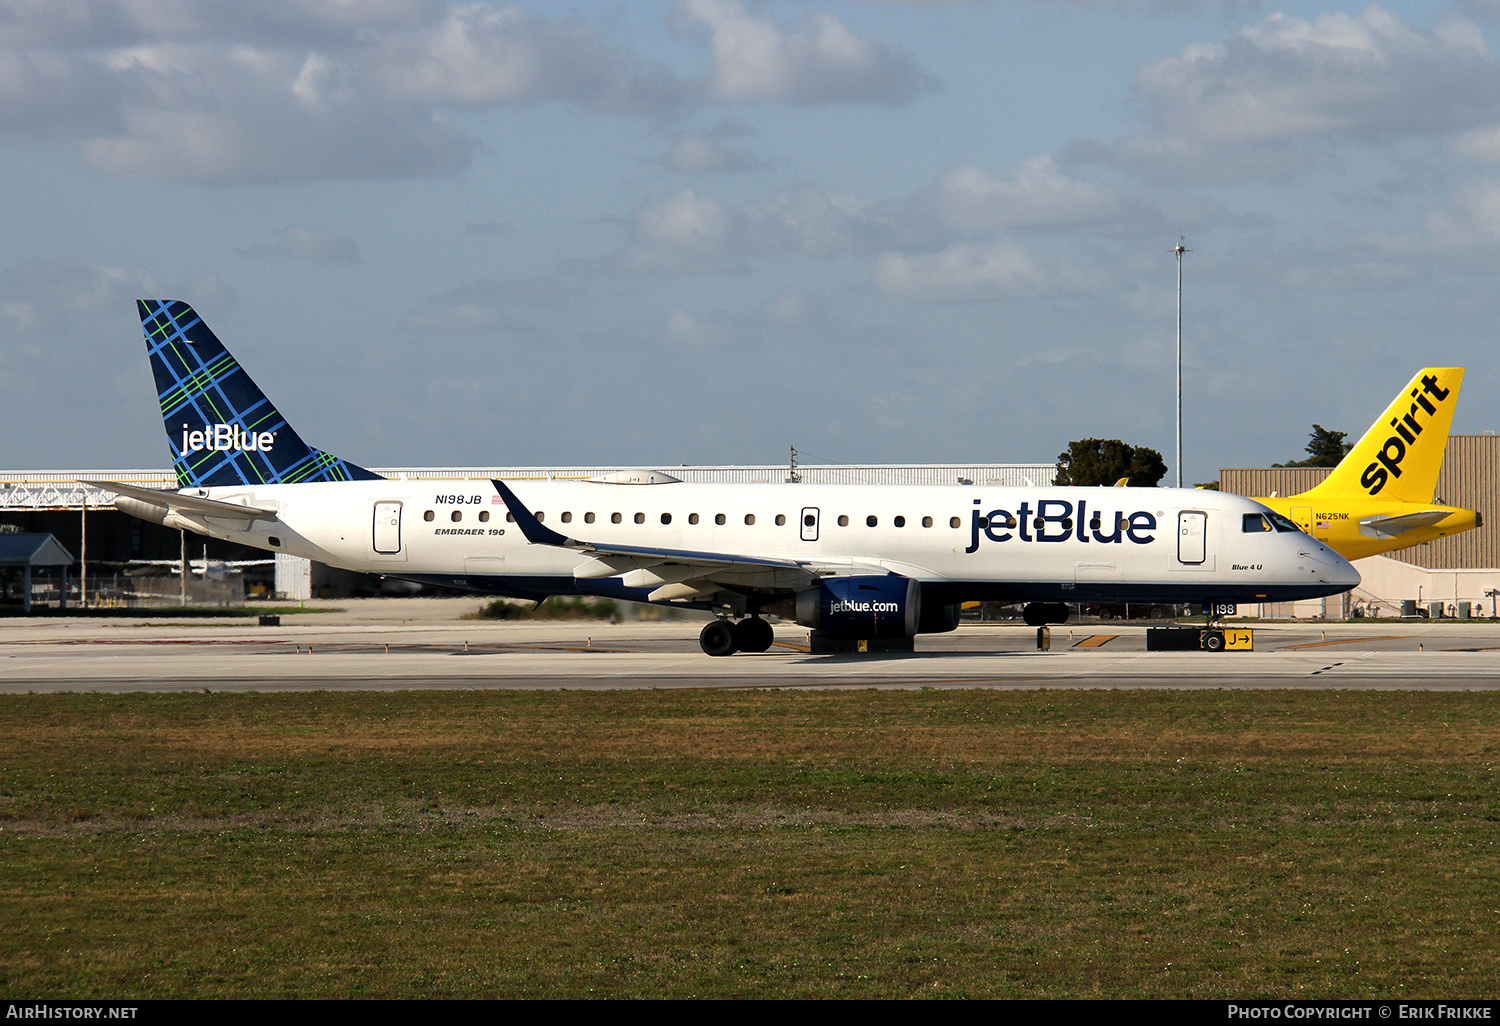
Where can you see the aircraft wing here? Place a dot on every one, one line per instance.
(1390, 527)
(176, 502)
(680, 573)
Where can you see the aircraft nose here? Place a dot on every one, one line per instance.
(1329, 567)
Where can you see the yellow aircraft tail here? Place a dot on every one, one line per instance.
(1398, 459)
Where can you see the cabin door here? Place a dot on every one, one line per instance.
(1192, 537)
(388, 528)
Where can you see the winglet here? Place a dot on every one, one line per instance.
(530, 526)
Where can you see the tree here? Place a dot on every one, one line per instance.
(1325, 449)
(1099, 461)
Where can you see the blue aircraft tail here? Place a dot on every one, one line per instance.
(221, 428)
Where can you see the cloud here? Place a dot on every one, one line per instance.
(485, 307)
(968, 271)
(796, 307)
(111, 23)
(479, 55)
(971, 199)
(1270, 99)
(46, 94)
(687, 232)
(224, 93)
(685, 331)
(230, 115)
(42, 296)
(819, 60)
(1462, 234)
(693, 154)
(316, 245)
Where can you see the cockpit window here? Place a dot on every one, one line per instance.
(1280, 522)
(1254, 522)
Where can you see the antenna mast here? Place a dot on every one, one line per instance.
(1179, 249)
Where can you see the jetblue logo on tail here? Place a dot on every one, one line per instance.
(221, 427)
(226, 438)
(1388, 460)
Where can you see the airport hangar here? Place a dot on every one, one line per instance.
(111, 546)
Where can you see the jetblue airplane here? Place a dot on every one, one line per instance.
(853, 562)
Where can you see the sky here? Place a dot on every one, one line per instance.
(702, 231)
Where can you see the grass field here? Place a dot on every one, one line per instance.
(716, 844)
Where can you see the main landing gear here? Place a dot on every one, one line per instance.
(723, 637)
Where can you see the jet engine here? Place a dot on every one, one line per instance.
(857, 608)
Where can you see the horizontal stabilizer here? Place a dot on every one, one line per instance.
(176, 502)
(1390, 527)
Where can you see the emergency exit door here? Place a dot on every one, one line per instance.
(810, 523)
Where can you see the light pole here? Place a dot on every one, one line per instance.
(1179, 249)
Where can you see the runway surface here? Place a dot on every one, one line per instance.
(411, 645)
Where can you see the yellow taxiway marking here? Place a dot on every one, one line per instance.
(1345, 641)
(1096, 640)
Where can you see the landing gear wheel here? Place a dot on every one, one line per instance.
(756, 635)
(1214, 642)
(719, 638)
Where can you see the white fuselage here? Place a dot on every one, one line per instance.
(1068, 544)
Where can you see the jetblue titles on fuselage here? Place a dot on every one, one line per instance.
(1053, 521)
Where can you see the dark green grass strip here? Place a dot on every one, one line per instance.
(850, 844)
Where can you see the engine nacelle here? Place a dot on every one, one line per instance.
(859, 608)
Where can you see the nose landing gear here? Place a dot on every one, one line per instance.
(723, 637)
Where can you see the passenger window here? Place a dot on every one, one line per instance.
(719, 518)
(540, 516)
(843, 521)
(429, 515)
(484, 516)
(781, 520)
(614, 518)
(899, 521)
(666, 518)
(926, 521)
(871, 521)
(640, 518)
(588, 518)
(458, 515)
(954, 522)
(692, 518)
(510, 518)
(567, 517)
(749, 519)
